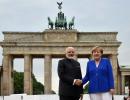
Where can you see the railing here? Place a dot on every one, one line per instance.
(45, 97)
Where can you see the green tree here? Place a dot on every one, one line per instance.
(18, 82)
(38, 88)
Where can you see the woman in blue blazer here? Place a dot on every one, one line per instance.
(100, 76)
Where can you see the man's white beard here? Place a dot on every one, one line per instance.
(72, 57)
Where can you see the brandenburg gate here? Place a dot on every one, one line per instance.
(49, 44)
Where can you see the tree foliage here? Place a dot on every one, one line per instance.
(38, 88)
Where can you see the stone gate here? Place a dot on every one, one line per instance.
(49, 44)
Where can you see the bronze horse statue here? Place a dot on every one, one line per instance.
(50, 23)
(71, 23)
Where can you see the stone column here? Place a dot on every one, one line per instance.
(28, 74)
(122, 84)
(114, 62)
(119, 85)
(11, 73)
(7, 80)
(1, 81)
(47, 74)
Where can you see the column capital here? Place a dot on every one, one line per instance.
(27, 54)
(113, 56)
(6, 54)
(47, 55)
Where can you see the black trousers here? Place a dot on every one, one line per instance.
(69, 97)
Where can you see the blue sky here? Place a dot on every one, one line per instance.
(90, 16)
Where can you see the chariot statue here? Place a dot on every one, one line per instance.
(60, 21)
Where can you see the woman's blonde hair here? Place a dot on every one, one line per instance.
(97, 48)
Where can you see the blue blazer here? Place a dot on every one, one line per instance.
(100, 78)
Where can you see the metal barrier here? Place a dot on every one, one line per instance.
(46, 97)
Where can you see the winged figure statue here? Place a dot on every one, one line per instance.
(59, 3)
